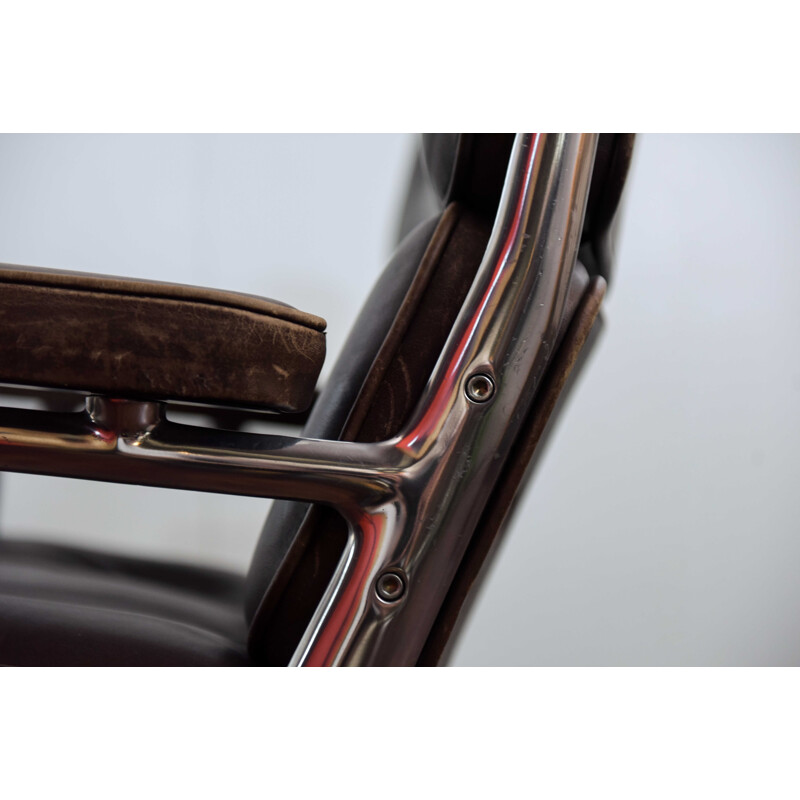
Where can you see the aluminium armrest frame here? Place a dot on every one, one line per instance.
(411, 503)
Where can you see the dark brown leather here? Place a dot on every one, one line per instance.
(583, 306)
(439, 157)
(152, 340)
(468, 168)
(612, 162)
(421, 201)
(300, 546)
(63, 606)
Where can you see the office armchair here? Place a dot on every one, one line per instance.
(409, 460)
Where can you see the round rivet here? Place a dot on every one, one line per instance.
(390, 587)
(480, 388)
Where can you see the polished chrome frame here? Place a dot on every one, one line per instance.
(411, 503)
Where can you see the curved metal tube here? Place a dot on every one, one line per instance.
(131, 442)
(505, 331)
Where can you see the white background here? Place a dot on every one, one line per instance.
(661, 527)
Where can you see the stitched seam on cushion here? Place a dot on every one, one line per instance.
(180, 301)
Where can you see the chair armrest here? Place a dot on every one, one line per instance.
(158, 341)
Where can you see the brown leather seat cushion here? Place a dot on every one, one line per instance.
(153, 340)
(64, 606)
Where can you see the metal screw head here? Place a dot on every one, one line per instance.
(390, 587)
(480, 388)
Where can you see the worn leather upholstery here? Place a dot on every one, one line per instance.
(121, 337)
(160, 341)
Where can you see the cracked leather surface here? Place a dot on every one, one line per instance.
(152, 340)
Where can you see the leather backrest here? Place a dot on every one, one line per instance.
(614, 154)
(469, 168)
